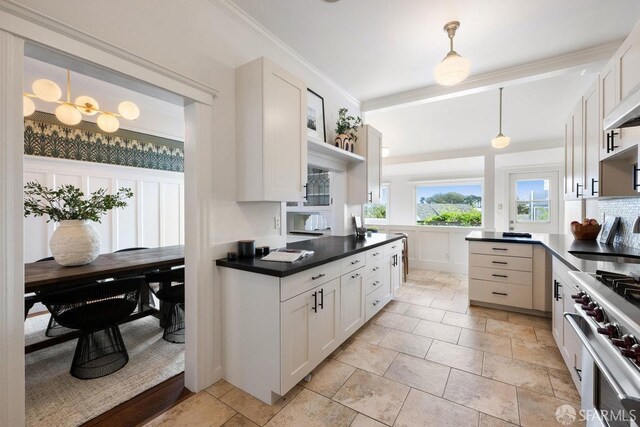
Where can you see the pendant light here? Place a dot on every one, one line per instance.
(500, 141)
(70, 113)
(454, 68)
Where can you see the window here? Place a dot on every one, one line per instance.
(458, 205)
(378, 213)
(532, 200)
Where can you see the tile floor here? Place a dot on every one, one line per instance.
(427, 359)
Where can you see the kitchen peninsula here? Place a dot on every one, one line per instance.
(280, 320)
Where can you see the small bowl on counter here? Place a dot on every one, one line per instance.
(582, 231)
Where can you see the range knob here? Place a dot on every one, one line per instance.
(581, 298)
(589, 307)
(627, 341)
(597, 313)
(612, 330)
(633, 353)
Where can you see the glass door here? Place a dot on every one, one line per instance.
(534, 202)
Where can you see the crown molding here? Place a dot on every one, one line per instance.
(247, 21)
(533, 71)
(18, 10)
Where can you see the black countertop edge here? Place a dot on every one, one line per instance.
(326, 249)
(565, 248)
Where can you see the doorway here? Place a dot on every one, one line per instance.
(534, 202)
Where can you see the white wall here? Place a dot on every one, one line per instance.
(154, 215)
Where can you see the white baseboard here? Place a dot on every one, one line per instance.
(448, 267)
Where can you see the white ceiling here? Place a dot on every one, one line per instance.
(374, 48)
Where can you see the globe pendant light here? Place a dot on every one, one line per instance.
(46, 90)
(454, 68)
(66, 112)
(500, 141)
(28, 107)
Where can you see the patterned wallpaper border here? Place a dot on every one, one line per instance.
(46, 137)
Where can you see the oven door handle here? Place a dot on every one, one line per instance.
(628, 402)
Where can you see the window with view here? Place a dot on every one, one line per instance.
(532, 200)
(377, 213)
(454, 205)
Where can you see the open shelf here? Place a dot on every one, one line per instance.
(333, 152)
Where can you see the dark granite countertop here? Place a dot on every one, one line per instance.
(326, 249)
(562, 246)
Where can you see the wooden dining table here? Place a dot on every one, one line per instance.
(47, 276)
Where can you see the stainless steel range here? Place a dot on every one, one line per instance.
(607, 322)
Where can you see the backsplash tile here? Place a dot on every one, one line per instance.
(628, 209)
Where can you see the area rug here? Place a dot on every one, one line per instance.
(55, 398)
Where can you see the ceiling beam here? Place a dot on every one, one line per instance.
(533, 71)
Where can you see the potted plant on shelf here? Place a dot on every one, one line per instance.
(75, 241)
(346, 127)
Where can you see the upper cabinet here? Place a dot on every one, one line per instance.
(619, 77)
(364, 178)
(574, 154)
(592, 125)
(271, 133)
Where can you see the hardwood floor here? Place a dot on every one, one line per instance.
(145, 406)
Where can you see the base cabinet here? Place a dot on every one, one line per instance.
(351, 302)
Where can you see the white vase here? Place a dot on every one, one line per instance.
(75, 242)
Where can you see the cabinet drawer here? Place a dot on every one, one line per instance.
(373, 283)
(296, 284)
(376, 300)
(505, 276)
(352, 262)
(375, 268)
(374, 255)
(393, 248)
(501, 262)
(508, 294)
(496, 248)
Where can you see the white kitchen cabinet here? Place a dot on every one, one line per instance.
(352, 297)
(364, 178)
(271, 145)
(557, 310)
(395, 258)
(574, 154)
(592, 125)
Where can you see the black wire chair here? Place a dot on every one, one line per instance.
(29, 302)
(144, 294)
(95, 309)
(53, 328)
(172, 295)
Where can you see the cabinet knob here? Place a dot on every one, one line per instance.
(355, 275)
(355, 262)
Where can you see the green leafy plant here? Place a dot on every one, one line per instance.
(69, 203)
(375, 211)
(347, 124)
(467, 219)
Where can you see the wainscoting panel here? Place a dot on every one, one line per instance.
(154, 216)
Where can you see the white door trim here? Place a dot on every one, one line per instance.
(11, 238)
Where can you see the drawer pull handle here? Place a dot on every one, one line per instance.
(376, 283)
(376, 302)
(393, 247)
(319, 276)
(376, 268)
(499, 262)
(355, 262)
(500, 249)
(504, 276)
(315, 302)
(499, 293)
(375, 254)
(355, 275)
(321, 305)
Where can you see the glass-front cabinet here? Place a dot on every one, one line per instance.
(317, 194)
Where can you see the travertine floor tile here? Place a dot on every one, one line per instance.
(369, 357)
(545, 336)
(419, 373)
(423, 409)
(396, 307)
(254, 409)
(485, 395)
(342, 347)
(540, 410)
(371, 333)
(539, 353)
(426, 313)
(404, 342)
(219, 388)
(239, 420)
(419, 299)
(397, 321)
(530, 320)
(517, 372)
(456, 356)
(328, 377)
(489, 421)
(364, 421)
(465, 321)
(312, 410)
(202, 409)
(563, 385)
(489, 313)
(450, 305)
(511, 330)
(437, 331)
(485, 342)
(374, 396)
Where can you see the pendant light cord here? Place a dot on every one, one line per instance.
(68, 86)
(501, 110)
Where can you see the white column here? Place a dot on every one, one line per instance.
(489, 197)
(203, 330)
(11, 238)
